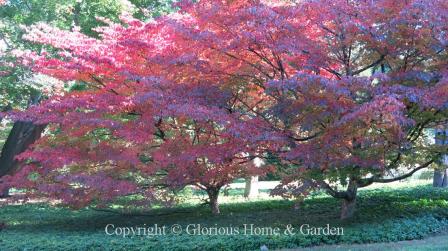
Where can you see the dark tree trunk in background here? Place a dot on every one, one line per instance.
(213, 194)
(22, 135)
(251, 189)
(348, 207)
(4, 193)
(440, 178)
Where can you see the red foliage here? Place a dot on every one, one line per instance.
(197, 94)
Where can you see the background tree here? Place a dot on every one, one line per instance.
(130, 123)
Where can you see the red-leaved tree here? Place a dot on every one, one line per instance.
(136, 126)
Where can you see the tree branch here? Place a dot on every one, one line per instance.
(331, 191)
(370, 65)
(376, 179)
(425, 165)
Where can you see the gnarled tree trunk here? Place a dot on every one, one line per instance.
(348, 207)
(213, 193)
(348, 197)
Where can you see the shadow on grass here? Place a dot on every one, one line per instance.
(382, 203)
(382, 215)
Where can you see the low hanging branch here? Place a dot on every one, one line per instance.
(425, 165)
(366, 182)
(376, 179)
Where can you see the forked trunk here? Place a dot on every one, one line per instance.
(213, 200)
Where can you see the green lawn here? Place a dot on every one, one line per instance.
(388, 214)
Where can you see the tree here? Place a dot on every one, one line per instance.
(340, 92)
(128, 125)
(328, 119)
(370, 124)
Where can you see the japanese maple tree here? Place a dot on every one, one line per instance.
(134, 126)
(346, 88)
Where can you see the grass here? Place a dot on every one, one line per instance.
(385, 214)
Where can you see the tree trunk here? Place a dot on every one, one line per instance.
(251, 189)
(22, 135)
(4, 193)
(348, 208)
(349, 201)
(213, 200)
(440, 178)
